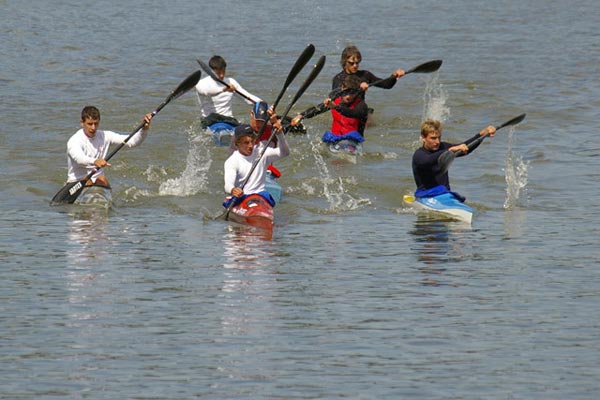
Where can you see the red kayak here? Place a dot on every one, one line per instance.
(254, 211)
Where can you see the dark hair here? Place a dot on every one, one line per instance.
(243, 130)
(350, 51)
(217, 62)
(352, 82)
(90, 112)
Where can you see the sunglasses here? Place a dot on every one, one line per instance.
(353, 62)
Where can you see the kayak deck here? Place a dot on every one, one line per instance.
(445, 204)
(253, 211)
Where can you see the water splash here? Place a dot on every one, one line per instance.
(434, 100)
(515, 174)
(194, 177)
(334, 189)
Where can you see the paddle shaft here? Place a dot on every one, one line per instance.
(480, 139)
(446, 158)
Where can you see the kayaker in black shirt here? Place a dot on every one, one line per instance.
(428, 174)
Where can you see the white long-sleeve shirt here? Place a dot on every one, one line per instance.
(213, 99)
(237, 166)
(82, 151)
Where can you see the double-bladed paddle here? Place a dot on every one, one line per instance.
(306, 55)
(69, 193)
(212, 74)
(446, 158)
(295, 70)
(425, 68)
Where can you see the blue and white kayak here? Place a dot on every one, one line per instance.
(222, 133)
(347, 146)
(273, 187)
(446, 204)
(346, 149)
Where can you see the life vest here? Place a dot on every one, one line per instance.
(266, 133)
(342, 124)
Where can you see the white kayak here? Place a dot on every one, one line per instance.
(446, 204)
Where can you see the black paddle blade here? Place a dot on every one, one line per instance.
(430, 66)
(300, 63)
(309, 79)
(184, 86)
(513, 121)
(306, 55)
(68, 193)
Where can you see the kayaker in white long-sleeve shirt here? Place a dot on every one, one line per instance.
(215, 99)
(239, 164)
(88, 147)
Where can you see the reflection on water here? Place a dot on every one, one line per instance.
(249, 286)
(87, 230)
(246, 247)
(88, 243)
(436, 243)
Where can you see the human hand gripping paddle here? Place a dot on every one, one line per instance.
(446, 158)
(69, 193)
(311, 77)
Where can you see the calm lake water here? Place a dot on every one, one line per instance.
(354, 296)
